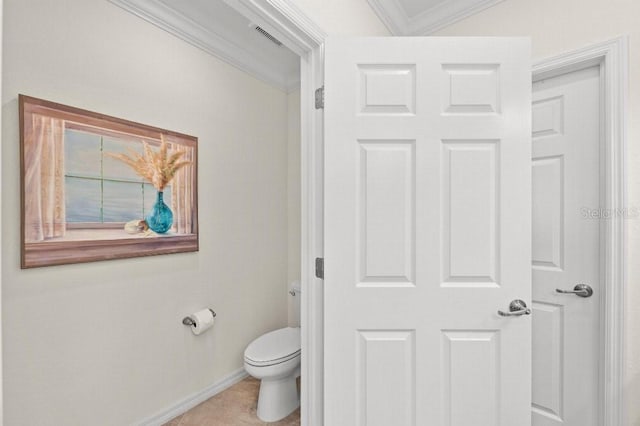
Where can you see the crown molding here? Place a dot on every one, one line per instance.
(393, 15)
(168, 19)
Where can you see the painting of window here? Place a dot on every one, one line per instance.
(83, 200)
(100, 189)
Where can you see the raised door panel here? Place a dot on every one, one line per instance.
(471, 89)
(386, 198)
(385, 377)
(387, 89)
(548, 339)
(548, 213)
(471, 370)
(470, 184)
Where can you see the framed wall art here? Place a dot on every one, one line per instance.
(95, 187)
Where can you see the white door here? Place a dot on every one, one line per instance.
(427, 231)
(566, 200)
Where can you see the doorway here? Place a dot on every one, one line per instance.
(566, 255)
(600, 73)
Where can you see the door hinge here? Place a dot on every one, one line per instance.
(320, 267)
(320, 98)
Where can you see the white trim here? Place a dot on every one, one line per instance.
(294, 29)
(191, 401)
(391, 15)
(447, 13)
(312, 185)
(441, 15)
(170, 20)
(612, 57)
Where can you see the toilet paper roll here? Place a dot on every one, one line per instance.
(203, 320)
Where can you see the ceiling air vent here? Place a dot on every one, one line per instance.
(271, 38)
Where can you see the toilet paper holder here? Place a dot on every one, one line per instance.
(188, 321)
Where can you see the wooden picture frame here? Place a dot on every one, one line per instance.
(81, 203)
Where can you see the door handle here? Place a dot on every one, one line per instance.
(582, 290)
(516, 308)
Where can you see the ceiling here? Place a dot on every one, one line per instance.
(217, 28)
(423, 17)
(220, 30)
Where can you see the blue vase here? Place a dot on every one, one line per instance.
(160, 218)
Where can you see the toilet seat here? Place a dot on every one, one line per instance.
(274, 348)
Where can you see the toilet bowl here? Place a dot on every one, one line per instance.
(274, 358)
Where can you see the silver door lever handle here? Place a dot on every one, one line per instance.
(516, 308)
(582, 290)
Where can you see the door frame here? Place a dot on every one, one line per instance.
(611, 57)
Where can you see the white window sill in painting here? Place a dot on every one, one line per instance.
(110, 234)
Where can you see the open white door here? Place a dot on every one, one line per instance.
(427, 231)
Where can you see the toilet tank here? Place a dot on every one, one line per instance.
(295, 299)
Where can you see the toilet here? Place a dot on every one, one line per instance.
(274, 359)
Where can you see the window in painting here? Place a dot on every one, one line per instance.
(100, 189)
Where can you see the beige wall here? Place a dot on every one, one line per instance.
(102, 343)
(557, 27)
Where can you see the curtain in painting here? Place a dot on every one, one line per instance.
(44, 207)
(182, 192)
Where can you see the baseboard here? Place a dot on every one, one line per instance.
(191, 401)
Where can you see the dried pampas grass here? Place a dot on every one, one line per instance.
(156, 167)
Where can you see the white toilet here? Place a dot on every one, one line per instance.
(274, 358)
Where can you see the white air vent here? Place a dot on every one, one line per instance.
(266, 34)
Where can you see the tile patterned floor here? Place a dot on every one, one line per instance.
(235, 406)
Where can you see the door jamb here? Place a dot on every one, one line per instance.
(294, 29)
(612, 57)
